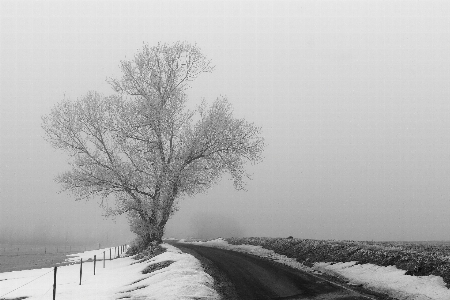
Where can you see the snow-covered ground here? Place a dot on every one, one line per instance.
(389, 280)
(121, 278)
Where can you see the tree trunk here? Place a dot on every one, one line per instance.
(157, 234)
(147, 240)
(152, 235)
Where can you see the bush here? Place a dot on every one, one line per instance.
(143, 253)
(139, 246)
(418, 259)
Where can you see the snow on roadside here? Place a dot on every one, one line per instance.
(250, 249)
(121, 278)
(389, 280)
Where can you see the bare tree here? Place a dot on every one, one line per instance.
(142, 147)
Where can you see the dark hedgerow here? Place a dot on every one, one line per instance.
(417, 259)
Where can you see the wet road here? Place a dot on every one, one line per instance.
(256, 278)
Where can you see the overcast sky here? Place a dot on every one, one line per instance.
(352, 97)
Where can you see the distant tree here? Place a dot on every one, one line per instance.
(142, 147)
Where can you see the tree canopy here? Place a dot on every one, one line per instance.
(142, 147)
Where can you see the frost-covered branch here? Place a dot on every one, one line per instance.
(143, 147)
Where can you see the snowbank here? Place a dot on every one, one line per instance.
(389, 280)
(121, 278)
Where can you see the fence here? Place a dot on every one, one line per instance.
(118, 251)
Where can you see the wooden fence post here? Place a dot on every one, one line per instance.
(54, 283)
(95, 259)
(81, 269)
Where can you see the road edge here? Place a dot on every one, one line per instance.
(222, 284)
(332, 279)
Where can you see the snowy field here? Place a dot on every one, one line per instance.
(389, 280)
(121, 278)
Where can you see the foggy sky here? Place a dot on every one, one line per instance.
(352, 98)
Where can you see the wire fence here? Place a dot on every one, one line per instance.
(107, 254)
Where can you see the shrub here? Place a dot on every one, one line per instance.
(418, 259)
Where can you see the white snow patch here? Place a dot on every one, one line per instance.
(255, 250)
(183, 279)
(389, 280)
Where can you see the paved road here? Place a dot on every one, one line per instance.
(255, 278)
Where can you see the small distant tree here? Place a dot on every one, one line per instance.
(142, 147)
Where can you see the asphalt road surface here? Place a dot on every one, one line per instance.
(256, 278)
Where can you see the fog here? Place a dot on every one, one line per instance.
(76, 224)
(352, 98)
(51, 233)
(208, 226)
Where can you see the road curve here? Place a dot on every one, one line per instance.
(258, 279)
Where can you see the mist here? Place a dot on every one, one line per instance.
(210, 226)
(46, 232)
(352, 98)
